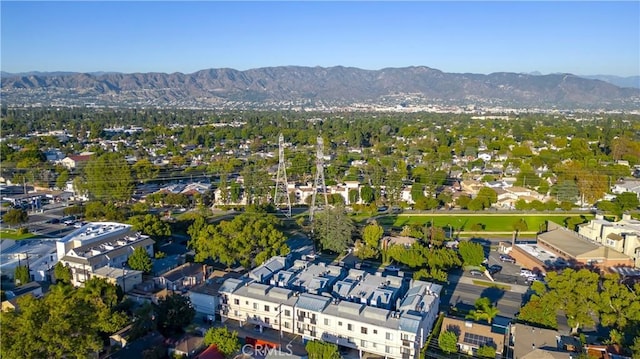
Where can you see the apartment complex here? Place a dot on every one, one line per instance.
(622, 236)
(99, 244)
(384, 315)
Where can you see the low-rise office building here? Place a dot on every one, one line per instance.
(384, 315)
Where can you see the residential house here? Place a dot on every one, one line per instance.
(127, 279)
(632, 186)
(182, 277)
(205, 297)
(472, 336)
(31, 288)
(75, 161)
(187, 346)
(537, 343)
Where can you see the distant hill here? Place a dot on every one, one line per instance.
(630, 81)
(295, 86)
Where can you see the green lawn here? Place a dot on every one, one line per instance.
(491, 223)
(11, 234)
(492, 285)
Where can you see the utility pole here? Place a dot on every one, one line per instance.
(282, 185)
(319, 183)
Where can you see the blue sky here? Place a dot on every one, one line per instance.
(584, 38)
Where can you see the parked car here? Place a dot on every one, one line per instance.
(475, 272)
(392, 268)
(495, 268)
(507, 258)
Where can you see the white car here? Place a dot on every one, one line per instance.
(392, 268)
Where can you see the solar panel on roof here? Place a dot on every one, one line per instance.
(477, 340)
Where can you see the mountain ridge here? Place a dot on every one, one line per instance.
(282, 86)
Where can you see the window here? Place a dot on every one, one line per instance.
(235, 313)
(286, 325)
(266, 320)
(363, 343)
(375, 331)
(236, 301)
(266, 308)
(287, 313)
(373, 344)
(350, 327)
(255, 305)
(339, 324)
(326, 321)
(389, 336)
(387, 349)
(246, 302)
(363, 330)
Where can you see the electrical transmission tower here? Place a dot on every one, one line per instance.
(319, 184)
(281, 181)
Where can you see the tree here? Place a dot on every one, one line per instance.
(144, 170)
(518, 226)
(475, 204)
(62, 273)
(488, 196)
(448, 342)
(618, 304)
(226, 341)
(15, 217)
(484, 310)
(354, 196)
(372, 234)
(140, 260)
(174, 313)
(108, 177)
(538, 312)
(627, 201)
(472, 253)
(62, 179)
(333, 229)
(150, 225)
(21, 275)
(322, 350)
(367, 193)
(486, 351)
(575, 293)
(66, 322)
(250, 239)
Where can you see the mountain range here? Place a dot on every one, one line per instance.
(316, 87)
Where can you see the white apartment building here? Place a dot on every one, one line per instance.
(383, 315)
(622, 236)
(99, 244)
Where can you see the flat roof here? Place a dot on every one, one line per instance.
(568, 241)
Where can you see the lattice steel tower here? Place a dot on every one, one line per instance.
(281, 181)
(319, 184)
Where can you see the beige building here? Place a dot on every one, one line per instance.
(622, 236)
(382, 315)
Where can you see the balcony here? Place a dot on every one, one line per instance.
(406, 343)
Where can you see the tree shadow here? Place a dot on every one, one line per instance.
(493, 293)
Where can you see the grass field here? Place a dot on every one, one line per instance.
(492, 285)
(11, 234)
(490, 223)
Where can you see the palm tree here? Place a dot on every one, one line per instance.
(484, 310)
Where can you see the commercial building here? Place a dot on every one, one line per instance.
(99, 244)
(560, 247)
(388, 316)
